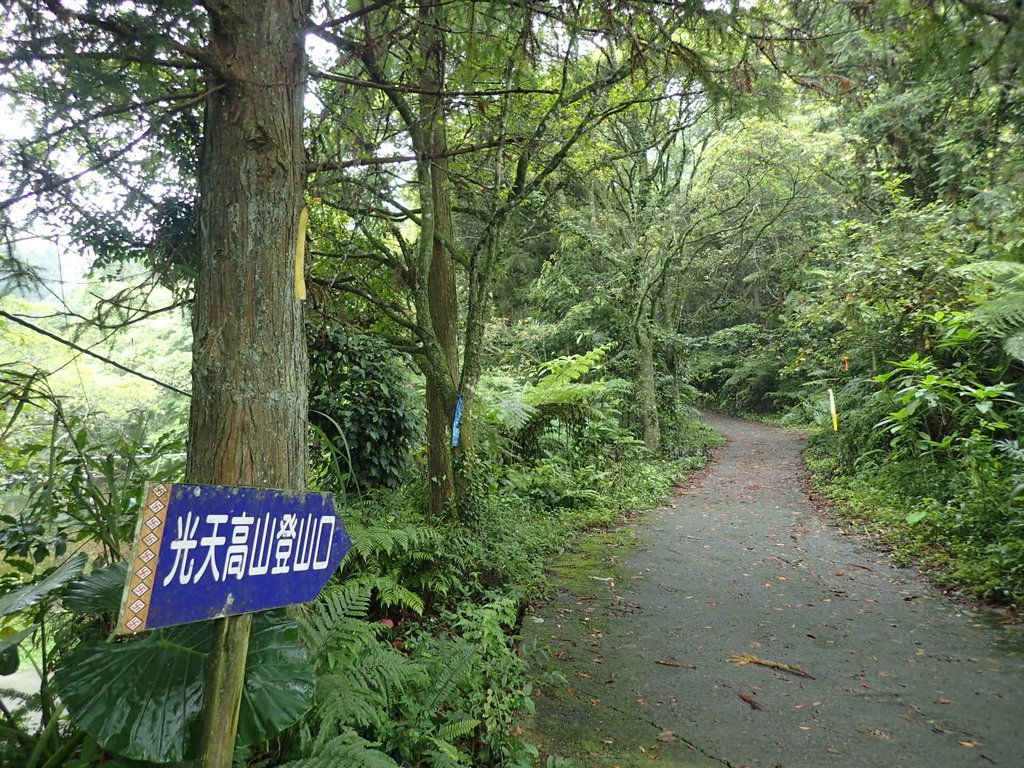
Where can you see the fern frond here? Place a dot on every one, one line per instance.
(570, 368)
(369, 542)
(346, 749)
(387, 672)
(457, 729)
(334, 619)
(1014, 346)
(513, 413)
(390, 594)
(1004, 313)
(993, 269)
(342, 702)
(445, 681)
(442, 754)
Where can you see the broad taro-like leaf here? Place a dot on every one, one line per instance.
(99, 591)
(9, 641)
(9, 661)
(25, 597)
(140, 699)
(278, 680)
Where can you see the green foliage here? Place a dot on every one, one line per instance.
(1002, 312)
(130, 715)
(23, 598)
(941, 407)
(925, 449)
(140, 699)
(441, 700)
(68, 488)
(95, 317)
(560, 403)
(106, 102)
(17, 622)
(405, 560)
(736, 368)
(880, 302)
(360, 398)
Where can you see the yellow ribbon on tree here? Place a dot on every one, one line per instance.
(300, 255)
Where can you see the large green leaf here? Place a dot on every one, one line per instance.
(141, 698)
(138, 698)
(25, 597)
(9, 641)
(278, 680)
(99, 591)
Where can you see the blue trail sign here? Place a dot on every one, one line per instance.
(207, 551)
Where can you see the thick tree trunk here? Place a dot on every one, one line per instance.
(249, 376)
(443, 376)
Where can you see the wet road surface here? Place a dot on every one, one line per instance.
(745, 630)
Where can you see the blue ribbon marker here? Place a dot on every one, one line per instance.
(457, 422)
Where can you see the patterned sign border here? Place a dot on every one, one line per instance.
(148, 535)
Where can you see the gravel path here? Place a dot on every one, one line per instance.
(885, 672)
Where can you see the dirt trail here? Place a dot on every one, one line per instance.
(740, 563)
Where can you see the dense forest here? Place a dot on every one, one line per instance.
(474, 267)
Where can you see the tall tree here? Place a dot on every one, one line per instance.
(87, 74)
(248, 423)
(521, 89)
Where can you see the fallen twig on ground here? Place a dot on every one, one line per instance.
(750, 700)
(740, 659)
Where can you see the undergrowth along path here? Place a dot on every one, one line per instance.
(743, 629)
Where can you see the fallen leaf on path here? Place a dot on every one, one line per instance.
(750, 700)
(671, 663)
(667, 736)
(741, 659)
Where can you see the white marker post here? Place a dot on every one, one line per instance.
(832, 408)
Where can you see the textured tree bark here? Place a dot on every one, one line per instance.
(648, 383)
(249, 375)
(442, 296)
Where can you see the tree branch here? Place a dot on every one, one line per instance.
(90, 353)
(362, 162)
(360, 83)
